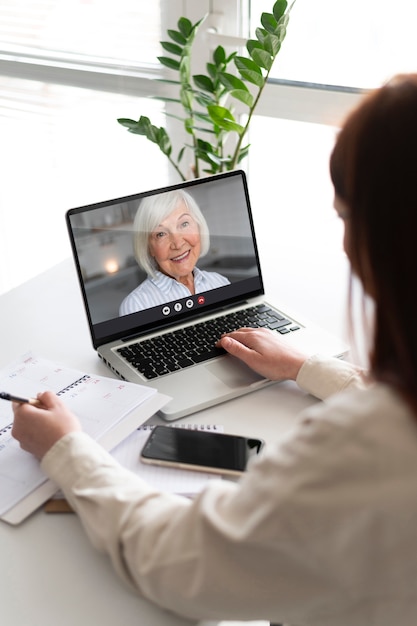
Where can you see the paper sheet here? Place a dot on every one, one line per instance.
(100, 403)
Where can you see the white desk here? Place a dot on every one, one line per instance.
(49, 573)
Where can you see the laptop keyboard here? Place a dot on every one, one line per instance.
(185, 347)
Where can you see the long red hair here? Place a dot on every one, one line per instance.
(373, 167)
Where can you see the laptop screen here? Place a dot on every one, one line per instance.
(157, 258)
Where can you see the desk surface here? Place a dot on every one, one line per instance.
(49, 573)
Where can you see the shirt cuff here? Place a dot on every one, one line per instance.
(323, 376)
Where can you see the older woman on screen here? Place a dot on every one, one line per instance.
(170, 235)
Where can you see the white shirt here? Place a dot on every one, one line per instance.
(320, 531)
(162, 288)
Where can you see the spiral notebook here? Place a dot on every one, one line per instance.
(108, 409)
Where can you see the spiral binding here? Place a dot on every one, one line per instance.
(74, 384)
(6, 429)
(185, 426)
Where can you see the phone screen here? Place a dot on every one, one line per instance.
(200, 449)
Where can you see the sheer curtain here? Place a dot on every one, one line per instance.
(68, 71)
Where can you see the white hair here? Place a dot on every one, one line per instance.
(151, 212)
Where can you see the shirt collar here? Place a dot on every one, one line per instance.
(166, 283)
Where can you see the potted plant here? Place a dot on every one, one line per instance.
(207, 100)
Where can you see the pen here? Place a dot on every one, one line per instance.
(8, 396)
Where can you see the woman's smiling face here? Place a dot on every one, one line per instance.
(175, 244)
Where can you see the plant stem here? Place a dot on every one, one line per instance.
(181, 175)
(242, 135)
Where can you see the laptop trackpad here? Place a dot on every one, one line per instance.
(233, 373)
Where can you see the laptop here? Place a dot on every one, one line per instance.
(134, 306)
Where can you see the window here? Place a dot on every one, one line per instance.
(70, 68)
(122, 31)
(352, 44)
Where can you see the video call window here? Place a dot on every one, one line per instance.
(142, 252)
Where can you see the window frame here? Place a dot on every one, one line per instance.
(224, 24)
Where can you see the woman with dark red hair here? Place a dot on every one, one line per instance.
(322, 528)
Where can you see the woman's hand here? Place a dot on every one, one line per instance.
(38, 428)
(264, 352)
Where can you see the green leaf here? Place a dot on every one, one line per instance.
(173, 64)
(262, 58)
(200, 21)
(151, 132)
(186, 96)
(251, 44)
(232, 82)
(212, 70)
(185, 27)
(285, 19)
(173, 48)
(269, 22)
(205, 146)
(205, 129)
(244, 96)
(250, 71)
(164, 142)
(230, 57)
(261, 33)
(206, 152)
(247, 64)
(175, 117)
(177, 37)
(279, 9)
(168, 81)
(144, 127)
(219, 56)
(243, 152)
(203, 99)
(127, 123)
(272, 44)
(202, 116)
(189, 125)
(185, 63)
(223, 118)
(253, 77)
(180, 154)
(282, 31)
(204, 83)
(209, 157)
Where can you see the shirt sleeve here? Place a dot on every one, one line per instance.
(246, 550)
(323, 377)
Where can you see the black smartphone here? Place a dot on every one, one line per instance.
(207, 451)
